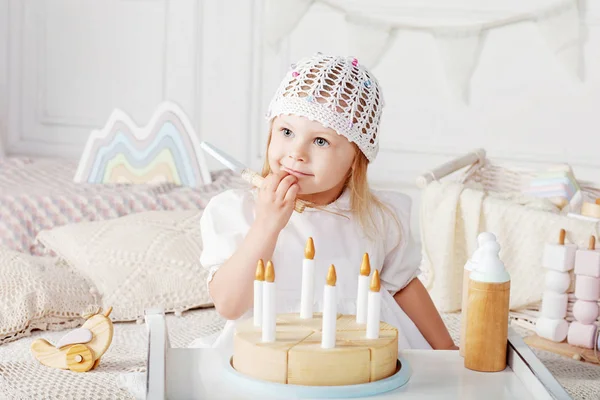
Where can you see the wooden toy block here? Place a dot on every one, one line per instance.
(591, 209)
(559, 257)
(81, 349)
(582, 335)
(276, 352)
(558, 282)
(587, 288)
(369, 358)
(555, 330)
(554, 305)
(562, 348)
(585, 312)
(587, 262)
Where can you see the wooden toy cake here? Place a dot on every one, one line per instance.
(316, 349)
(296, 355)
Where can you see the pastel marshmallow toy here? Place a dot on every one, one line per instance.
(587, 288)
(585, 312)
(554, 305)
(558, 282)
(582, 335)
(587, 262)
(559, 257)
(555, 330)
(591, 209)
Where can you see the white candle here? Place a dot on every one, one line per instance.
(258, 293)
(308, 281)
(363, 290)
(374, 307)
(329, 311)
(269, 313)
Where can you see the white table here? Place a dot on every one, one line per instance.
(201, 374)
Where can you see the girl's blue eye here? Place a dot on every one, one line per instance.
(321, 142)
(287, 132)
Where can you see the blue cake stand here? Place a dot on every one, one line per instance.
(399, 379)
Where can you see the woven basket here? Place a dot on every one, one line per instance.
(522, 255)
(499, 179)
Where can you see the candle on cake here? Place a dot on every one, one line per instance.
(363, 290)
(374, 308)
(259, 278)
(329, 310)
(269, 313)
(308, 280)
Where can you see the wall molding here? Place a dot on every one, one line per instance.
(181, 71)
(195, 113)
(255, 94)
(43, 116)
(4, 75)
(14, 86)
(186, 78)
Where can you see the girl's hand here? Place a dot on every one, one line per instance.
(276, 199)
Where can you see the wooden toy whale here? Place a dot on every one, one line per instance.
(80, 349)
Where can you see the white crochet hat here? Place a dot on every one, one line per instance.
(336, 91)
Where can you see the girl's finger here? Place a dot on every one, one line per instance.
(284, 185)
(292, 192)
(272, 181)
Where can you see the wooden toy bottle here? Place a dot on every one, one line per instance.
(487, 313)
(470, 266)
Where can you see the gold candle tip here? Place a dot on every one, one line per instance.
(365, 267)
(375, 283)
(331, 276)
(561, 237)
(309, 250)
(270, 272)
(260, 271)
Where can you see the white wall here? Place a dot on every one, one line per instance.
(65, 65)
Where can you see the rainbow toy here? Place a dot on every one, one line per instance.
(165, 150)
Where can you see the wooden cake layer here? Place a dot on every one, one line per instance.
(296, 356)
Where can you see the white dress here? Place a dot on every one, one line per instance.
(338, 240)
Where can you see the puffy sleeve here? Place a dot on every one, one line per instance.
(223, 226)
(402, 255)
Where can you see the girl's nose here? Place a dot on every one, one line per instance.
(298, 152)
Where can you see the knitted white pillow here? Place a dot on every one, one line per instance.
(139, 261)
(39, 293)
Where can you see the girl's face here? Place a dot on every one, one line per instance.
(319, 157)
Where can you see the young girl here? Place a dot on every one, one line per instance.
(324, 132)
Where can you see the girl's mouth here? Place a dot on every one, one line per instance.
(294, 172)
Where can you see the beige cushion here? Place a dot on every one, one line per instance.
(39, 293)
(139, 261)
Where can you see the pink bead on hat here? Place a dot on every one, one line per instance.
(336, 91)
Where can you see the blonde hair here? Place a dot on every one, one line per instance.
(364, 204)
